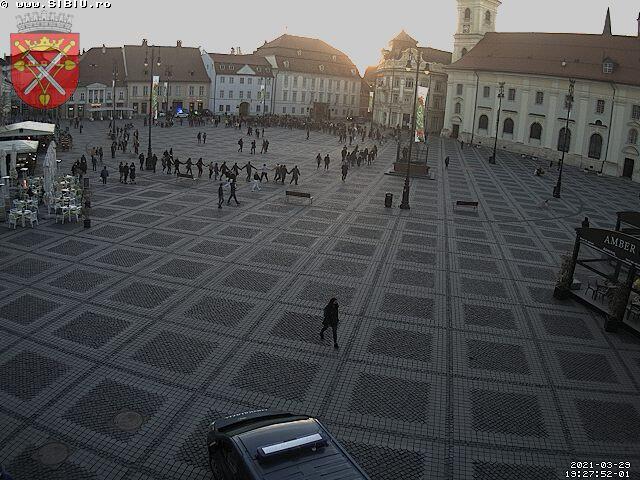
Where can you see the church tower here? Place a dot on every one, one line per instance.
(475, 18)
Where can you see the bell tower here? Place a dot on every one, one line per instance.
(475, 18)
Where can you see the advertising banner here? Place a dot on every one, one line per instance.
(421, 120)
(154, 96)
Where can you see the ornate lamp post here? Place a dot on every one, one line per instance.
(568, 103)
(146, 65)
(495, 142)
(405, 191)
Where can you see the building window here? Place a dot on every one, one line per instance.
(221, 93)
(507, 127)
(458, 108)
(632, 138)
(241, 80)
(179, 90)
(600, 107)
(221, 108)
(464, 51)
(408, 83)
(248, 93)
(635, 112)
(483, 122)
(487, 17)
(293, 109)
(486, 92)
(539, 98)
(321, 87)
(304, 82)
(241, 93)
(192, 90)
(607, 67)
(285, 64)
(595, 146)
(230, 93)
(299, 52)
(535, 132)
(467, 14)
(134, 91)
(512, 95)
(459, 88)
(564, 143)
(321, 68)
(249, 80)
(201, 91)
(231, 79)
(258, 108)
(285, 94)
(221, 79)
(145, 90)
(294, 97)
(143, 107)
(303, 97)
(120, 95)
(227, 108)
(82, 96)
(284, 109)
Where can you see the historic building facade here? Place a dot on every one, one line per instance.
(393, 83)
(312, 78)
(535, 70)
(240, 84)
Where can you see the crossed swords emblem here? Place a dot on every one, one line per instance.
(39, 72)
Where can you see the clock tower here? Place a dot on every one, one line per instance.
(475, 18)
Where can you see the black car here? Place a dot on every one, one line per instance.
(272, 445)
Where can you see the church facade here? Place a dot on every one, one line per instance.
(533, 72)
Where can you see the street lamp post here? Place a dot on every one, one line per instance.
(113, 95)
(169, 73)
(495, 142)
(565, 146)
(146, 64)
(405, 191)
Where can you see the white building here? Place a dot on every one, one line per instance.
(536, 69)
(311, 78)
(240, 84)
(394, 89)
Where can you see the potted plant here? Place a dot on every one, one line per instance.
(618, 300)
(565, 277)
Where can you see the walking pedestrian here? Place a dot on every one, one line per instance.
(189, 164)
(256, 181)
(125, 172)
(446, 162)
(199, 138)
(319, 161)
(263, 172)
(211, 170)
(121, 169)
(216, 171)
(232, 194)
(220, 195)
(199, 164)
(326, 161)
(141, 158)
(345, 170)
(253, 147)
(132, 172)
(104, 174)
(295, 174)
(240, 144)
(330, 320)
(204, 137)
(94, 162)
(585, 222)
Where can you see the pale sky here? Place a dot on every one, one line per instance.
(358, 28)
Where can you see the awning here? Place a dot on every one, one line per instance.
(21, 146)
(27, 129)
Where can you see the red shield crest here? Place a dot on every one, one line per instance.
(44, 67)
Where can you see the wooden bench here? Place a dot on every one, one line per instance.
(466, 203)
(184, 175)
(291, 193)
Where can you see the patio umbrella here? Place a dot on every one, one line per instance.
(14, 160)
(50, 165)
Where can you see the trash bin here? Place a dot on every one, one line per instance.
(388, 200)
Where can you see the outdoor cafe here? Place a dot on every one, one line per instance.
(604, 272)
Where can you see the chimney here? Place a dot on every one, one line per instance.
(144, 42)
(179, 43)
(233, 51)
(607, 24)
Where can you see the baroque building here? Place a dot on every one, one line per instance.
(393, 83)
(535, 70)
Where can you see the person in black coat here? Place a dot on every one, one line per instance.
(331, 320)
(220, 196)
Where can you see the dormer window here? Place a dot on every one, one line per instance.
(607, 66)
(299, 52)
(466, 28)
(321, 67)
(221, 67)
(285, 64)
(334, 58)
(353, 71)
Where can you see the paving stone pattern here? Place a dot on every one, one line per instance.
(166, 287)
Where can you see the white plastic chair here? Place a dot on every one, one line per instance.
(13, 220)
(62, 212)
(74, 211)
(33, 218)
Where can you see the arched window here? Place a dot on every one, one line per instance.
(535, 132)
(483, 122)
(464, 51)
(564, 143)
(487, 17)
(595, 146)
(458, 108)
(467, 14)
(507, 127)
(632, 138)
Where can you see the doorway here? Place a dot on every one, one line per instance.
(629, 164)
(455, 131)
(244, 109)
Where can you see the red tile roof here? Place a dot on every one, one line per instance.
(97, 67)
(184, 63)
(545, 54)
(255, 62)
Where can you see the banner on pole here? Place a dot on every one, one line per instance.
(421, 120)
(154, 96)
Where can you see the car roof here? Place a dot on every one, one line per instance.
(326, 462)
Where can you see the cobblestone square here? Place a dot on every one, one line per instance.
(455, 361)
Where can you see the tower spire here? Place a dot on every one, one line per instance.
(607, 24)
